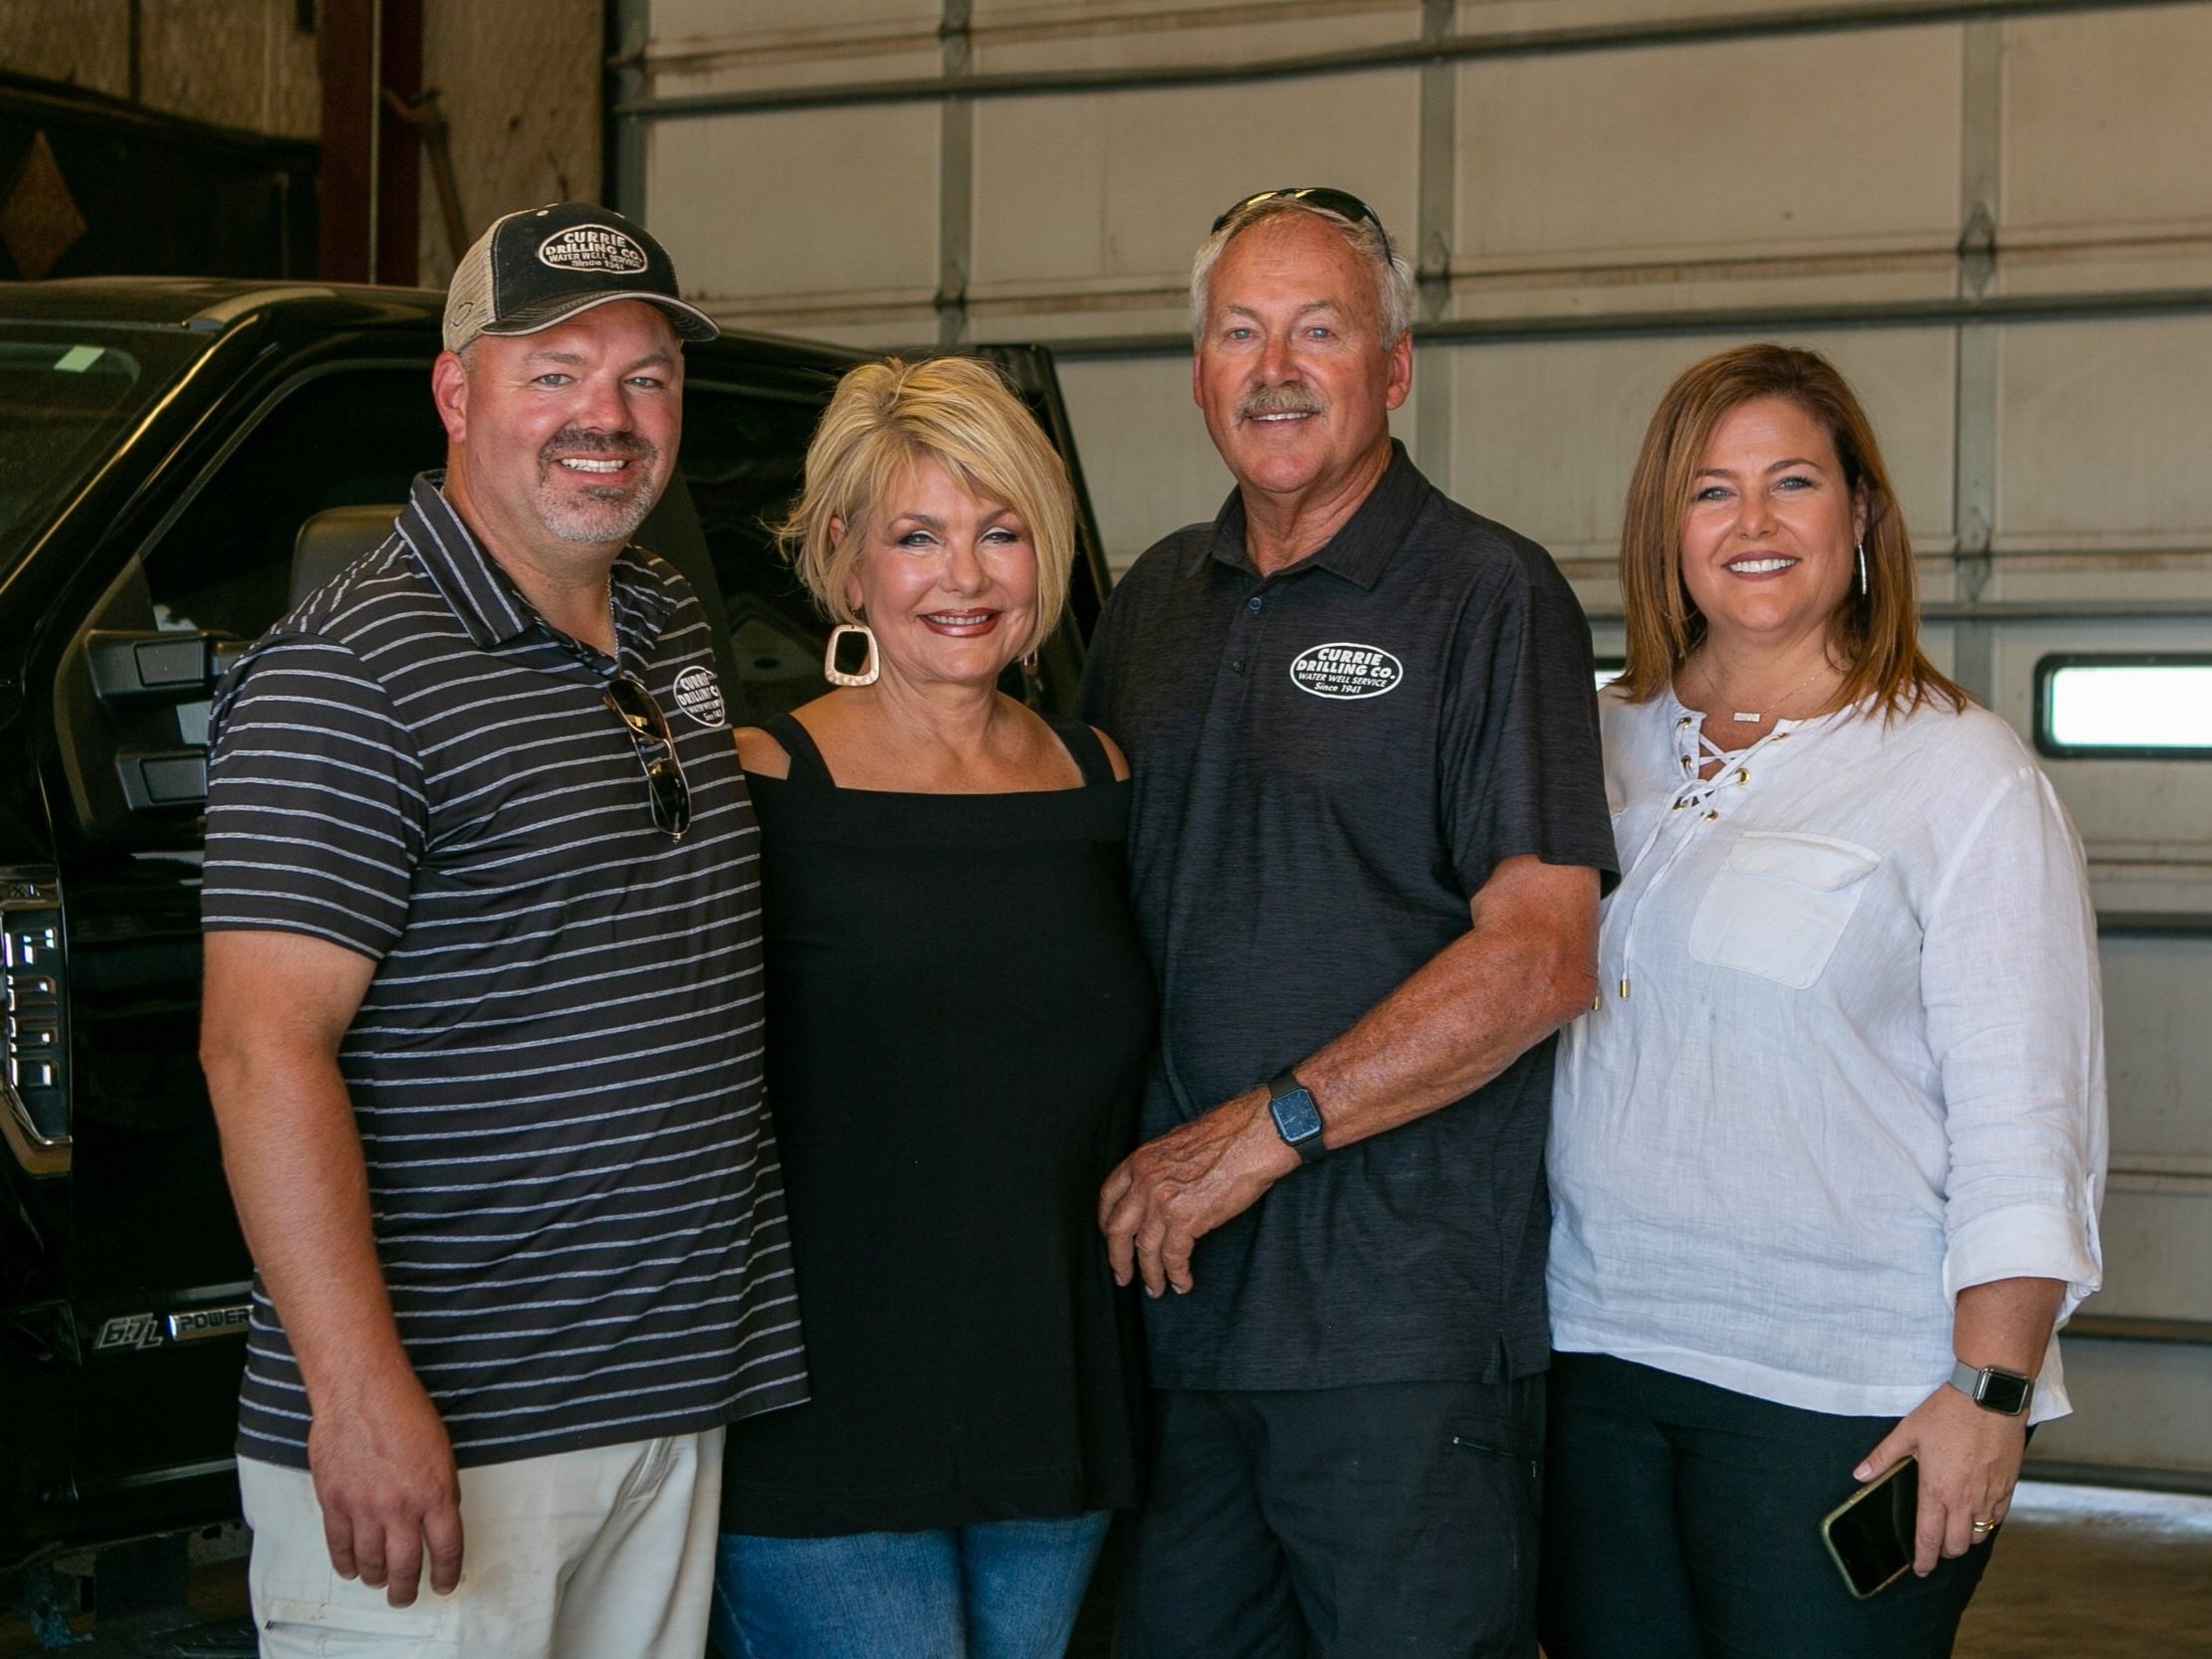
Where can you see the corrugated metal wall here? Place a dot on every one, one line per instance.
(1997, 218)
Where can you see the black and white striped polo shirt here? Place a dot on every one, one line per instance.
(556, 1067)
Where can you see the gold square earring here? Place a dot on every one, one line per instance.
(870, 665)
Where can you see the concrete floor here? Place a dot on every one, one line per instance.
(2082, 1572)
(2086, 1572)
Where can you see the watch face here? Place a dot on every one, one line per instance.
(1296, 1117)
(2002, 1391)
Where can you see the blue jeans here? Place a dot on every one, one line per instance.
(1000, 1589)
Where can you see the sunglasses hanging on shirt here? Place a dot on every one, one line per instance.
(657, 753)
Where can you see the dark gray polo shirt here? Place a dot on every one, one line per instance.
(1329, 762)
(556, 1067)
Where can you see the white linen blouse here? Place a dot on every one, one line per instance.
(1847, 1059)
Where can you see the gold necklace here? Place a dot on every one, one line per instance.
(1746, 716)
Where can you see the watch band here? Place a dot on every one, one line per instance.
(1994, 1389)
(1297, 1119)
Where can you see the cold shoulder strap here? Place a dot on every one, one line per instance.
(1083, 746)
(806, 758)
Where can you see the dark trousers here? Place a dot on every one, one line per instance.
(1682, 1521)
(1332, 1523)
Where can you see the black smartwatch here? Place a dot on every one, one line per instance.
(1297, 1119)
(2005, 1392)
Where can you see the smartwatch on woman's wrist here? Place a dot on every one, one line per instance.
(2005, 1392)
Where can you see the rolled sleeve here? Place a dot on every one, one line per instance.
(316, 808)
(2009, 983)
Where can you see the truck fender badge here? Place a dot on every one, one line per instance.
(591, 248)
(1344, 671)
(129, 1331)
(196, 1323)
(145, 1330)
(699, 694)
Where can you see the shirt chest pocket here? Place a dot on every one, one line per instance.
(1780, 905)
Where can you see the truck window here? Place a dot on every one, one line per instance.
(744, 457)
(346, 438)
(67, 396)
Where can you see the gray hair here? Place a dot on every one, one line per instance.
(1393, 273)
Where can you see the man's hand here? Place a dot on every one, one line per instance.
(275, 1008)
(1525, 967)
(1969, 1462)
(384, 1476)
(1169, 1192)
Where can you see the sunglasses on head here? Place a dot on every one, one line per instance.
(657, 753)
(1342, 203)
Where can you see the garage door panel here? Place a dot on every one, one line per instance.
(1713, 150)
(1106, 187)
(692, 20)
(808, 203)
(2157, 1238)
(2102, 435)
(701, 46)
(1014, 35)
(2159, 1055)
(1499, 16)
(2135, 1405)
(2107, 121)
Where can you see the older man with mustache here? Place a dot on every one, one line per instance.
(1368, 838)
(482, 1018)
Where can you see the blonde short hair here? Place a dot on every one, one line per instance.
(958, 412)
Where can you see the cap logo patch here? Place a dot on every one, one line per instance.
(1343, 672)
(593, 247)
(699, 694)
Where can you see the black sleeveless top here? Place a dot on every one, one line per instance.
(960, 1017)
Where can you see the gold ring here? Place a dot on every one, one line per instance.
(1983, 1528)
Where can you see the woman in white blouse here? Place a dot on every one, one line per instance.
(1827, 1157)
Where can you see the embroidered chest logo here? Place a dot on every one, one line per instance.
(591, 248)
(1343, 672)
(699, 694)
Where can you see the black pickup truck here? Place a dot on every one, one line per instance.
(169, 451)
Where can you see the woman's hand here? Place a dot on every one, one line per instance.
(1970, 1457)
(1969, 1463)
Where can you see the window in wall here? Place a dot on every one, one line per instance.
(2152, 707)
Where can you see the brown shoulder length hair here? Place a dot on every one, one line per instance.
(1875, 634)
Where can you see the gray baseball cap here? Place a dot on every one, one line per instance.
(544, 265)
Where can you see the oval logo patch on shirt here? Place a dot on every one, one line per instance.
(699, 694)
(1344, 671)
(591, 248)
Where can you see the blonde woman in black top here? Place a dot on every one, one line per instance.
(958, 1019)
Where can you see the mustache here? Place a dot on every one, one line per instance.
(1290, 398)
(582, 440)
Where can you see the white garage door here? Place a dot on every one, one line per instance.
(1996, 217)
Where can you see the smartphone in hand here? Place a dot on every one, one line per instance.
(1870, 1534)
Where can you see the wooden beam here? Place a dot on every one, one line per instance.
(370, 179)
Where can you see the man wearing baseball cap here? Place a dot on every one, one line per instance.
(480, 1018)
